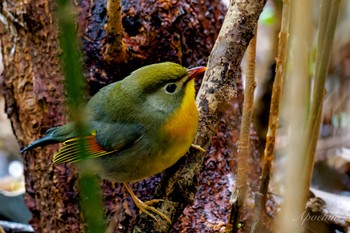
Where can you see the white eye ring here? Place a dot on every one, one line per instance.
(170, 88)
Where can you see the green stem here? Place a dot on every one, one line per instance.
(90, 193)
(328, 21)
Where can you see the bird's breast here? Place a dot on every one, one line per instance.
(180, 130)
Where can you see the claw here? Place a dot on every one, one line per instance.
(198, 147)
(145, 206)
(151, 202)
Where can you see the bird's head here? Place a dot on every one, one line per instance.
(163, 87)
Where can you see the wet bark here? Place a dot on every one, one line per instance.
(154, 31)
(32, 86)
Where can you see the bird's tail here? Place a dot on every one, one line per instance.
(40, 142)
(53, 135)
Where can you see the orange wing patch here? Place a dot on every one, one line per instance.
(70, 150)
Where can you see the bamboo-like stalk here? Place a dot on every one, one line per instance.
(268, 157)
(297, 89)
(328, 20)
(281, 61)
(244, 138)
(116, 48)
(89, 188)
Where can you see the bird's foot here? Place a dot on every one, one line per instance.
(145, 207)
(198, 147)
(151, 202)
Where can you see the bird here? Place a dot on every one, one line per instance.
(135, 128)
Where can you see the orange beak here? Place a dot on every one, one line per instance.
(194, 72)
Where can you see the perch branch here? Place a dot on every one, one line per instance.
(214, 97)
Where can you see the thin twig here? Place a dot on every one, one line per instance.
(268, 156)
(116, 48)
(244, 138)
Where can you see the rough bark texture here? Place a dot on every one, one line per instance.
(182, 31)
(154, 31)
(214, 99)
(32, 85)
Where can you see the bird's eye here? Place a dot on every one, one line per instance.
(170, 88)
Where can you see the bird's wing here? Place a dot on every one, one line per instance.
(105, 139)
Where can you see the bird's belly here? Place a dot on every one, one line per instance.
(144, 160)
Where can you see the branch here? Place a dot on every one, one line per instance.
(116, 48)
(215, 96)
(244, 149)
(268, 157)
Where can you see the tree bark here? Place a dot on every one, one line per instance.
(32, 86)
(154, 31)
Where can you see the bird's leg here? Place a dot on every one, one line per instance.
(144, 206)
(198, 147)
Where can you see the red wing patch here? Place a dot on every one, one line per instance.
(71, 150)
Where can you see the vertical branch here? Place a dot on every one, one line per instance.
(328, 20)
(90, 193)
(216, 94)
(297, 95)
(307, 143)
(116, 48)
(244, 138)
(268, 156)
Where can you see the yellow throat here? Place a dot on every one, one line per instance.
(181, 127)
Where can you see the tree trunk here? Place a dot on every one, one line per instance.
(32, 85)
(154, 31)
